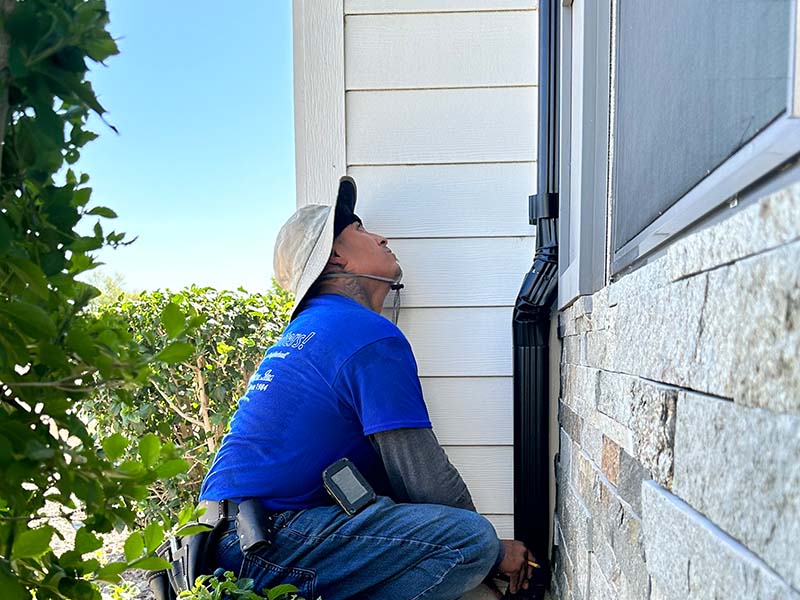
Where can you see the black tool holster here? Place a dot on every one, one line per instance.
(188, 556)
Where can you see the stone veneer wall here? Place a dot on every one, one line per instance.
(679, 462)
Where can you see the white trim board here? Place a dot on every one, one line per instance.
(318, 99)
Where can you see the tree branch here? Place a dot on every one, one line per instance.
(6, 7)
(175, 407)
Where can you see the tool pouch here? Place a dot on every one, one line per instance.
(188, 556)
(254, 525)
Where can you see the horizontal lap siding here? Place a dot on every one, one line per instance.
(393, 51)
(441, 138)
(413, 6)
(475, 125)
(470, 410)
(462, 272)
(433, 201)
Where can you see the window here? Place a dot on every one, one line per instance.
(668, 110)
(696, 81)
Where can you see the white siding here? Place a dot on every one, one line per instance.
(394, 51)
(476, 125)
(455, 200)
(436, 270)
(440, 120)
(413, 6)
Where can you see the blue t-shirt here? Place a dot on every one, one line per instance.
(339, 373)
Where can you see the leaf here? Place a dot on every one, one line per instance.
(30, 319)
(151, 563)
(111, 571)
(149, 449)
(192, 529)
(134, 546)
(32, 542)
(185, 515)
(114, 446)
(6, 234)
(281, 590)
(171, 468)
(173, 319)
(86, 541)
(176, 352)
(102, 211)
(153, 536)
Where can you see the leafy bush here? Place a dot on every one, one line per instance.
(53, 352)
(225, 586)
(190, 398)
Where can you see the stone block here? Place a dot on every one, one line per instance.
(592, 441)
(627, 543)
(599, 587)
(610, 464)
(599, 348)
(688, 557)
(574, 586)
(653, 425)
(573, 350)
(570, 421)
(580, 389)
(739, 466)
(644, 281)
(631, 476)
(615, 395)
(576, 525)
(748, 342)
(771, 222)
(614, 430)
(655, 334)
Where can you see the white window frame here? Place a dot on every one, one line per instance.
(584, 81)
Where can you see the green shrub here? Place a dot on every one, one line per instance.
(190, 399)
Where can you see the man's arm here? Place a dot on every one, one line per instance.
(419, 470)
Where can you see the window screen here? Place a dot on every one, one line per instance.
(696, 80)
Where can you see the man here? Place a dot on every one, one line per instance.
(342, 382)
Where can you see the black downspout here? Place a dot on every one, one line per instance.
(531, 325)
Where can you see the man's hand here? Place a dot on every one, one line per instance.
(516, 565)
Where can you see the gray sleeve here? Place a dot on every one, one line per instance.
(419, 470)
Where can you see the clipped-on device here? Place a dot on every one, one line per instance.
(347, 486)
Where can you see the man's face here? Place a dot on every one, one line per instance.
(360, 251)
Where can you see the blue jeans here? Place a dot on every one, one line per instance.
(387, 551)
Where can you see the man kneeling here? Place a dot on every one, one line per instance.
(342, 382)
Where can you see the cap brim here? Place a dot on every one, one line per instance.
(347, 193)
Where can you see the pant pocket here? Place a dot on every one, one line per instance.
(266, 574)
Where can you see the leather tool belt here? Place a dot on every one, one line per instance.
(190, 555)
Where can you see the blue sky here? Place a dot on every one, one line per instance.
(203, 168)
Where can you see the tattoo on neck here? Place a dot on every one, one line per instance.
(353, 288)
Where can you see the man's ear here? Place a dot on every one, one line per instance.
(336, 259)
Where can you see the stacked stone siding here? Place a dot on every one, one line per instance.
(679, 443)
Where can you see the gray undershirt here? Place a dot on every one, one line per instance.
(419, 470)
